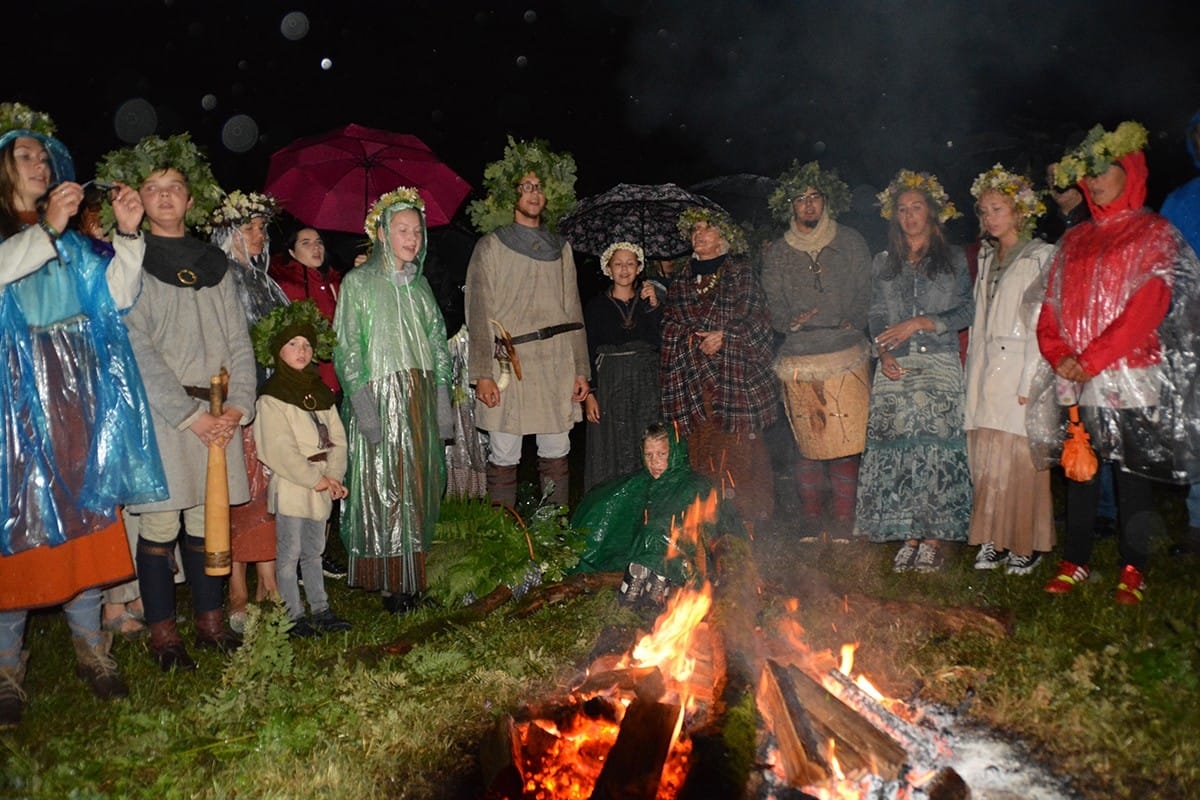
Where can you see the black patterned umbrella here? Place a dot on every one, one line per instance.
(644, 214)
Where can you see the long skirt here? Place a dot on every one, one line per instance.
(1013, 507)
(251, 526)
(738, 464)
(914, 481)
(395, 486)
(627, 392)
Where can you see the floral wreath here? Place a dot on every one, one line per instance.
(801, 176)
(301, 318)
(20, 117)
(132, 165)
(721, 221)
(907, 180)
(403, 195)
(238, 208)
(1098, 151)
(556, 171)
(611, 250)
(1026, 200)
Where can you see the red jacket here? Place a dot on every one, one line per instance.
(303, 283)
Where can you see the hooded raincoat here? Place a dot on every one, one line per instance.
(392, 343)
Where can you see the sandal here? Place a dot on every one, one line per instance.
(128, 626)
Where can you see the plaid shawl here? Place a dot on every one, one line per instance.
(745, 390)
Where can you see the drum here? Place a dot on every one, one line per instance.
(827, 397)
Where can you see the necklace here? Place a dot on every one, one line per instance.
(706, 283)
(626, 309)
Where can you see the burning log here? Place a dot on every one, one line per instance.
(918, 746)
(635, 763)
(814, 715)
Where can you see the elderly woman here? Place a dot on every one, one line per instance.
(239, 228)
(623, 331)
(817, 278)
(1118, 328)
(394, 365)
(1012, 516)
(76, 439)
(718, 388)
(914, 486)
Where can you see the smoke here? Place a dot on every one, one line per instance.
(872, 87)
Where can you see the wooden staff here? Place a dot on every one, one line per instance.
(218, 557)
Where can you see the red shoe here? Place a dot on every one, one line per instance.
(1068, 575)
(1130, 588)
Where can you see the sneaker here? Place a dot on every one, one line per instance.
(331, 568)
(302, 629)
(1067, 577)
(1022, 565)
(929, 558)
(1131, 586)
(329, 622)
(990, 558)
(905, 557)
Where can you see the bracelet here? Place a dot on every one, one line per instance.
(50, 230)
(135, 235)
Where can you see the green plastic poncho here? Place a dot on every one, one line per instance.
(392, 341)
(628, 521)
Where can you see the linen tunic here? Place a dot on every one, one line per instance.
(286, 436)
(524, 294)
(182, 337)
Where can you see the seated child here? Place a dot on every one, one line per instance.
(300, 437)
(629, 521)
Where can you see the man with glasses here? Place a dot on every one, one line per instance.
(817, 278)
(528, 354)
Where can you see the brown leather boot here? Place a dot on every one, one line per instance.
(98, 668)
(12, 694)
(167, 648)
(502, 484)
(555, 471)
(211, 632)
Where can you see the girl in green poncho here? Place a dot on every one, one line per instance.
(629, 521)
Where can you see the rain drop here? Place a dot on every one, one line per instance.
(240, 133)
(135, 119)
(208, 102)
(530, 16)
(818, 147)
(522, 61)
(949, 143)
(243, 65)
(326, 64)
(294, 26)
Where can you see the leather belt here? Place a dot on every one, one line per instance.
(544, 333)
(202, 393)
(315, 457)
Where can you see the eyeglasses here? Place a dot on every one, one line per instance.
(811, 197)
(529, 187)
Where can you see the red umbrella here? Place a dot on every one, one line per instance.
(331, 181)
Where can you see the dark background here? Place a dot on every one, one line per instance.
(639, 91)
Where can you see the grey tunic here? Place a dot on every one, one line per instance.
(840, 290)
(182, 337)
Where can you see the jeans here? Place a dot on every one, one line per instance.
(299, 543)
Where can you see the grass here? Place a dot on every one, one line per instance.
(1105, 694)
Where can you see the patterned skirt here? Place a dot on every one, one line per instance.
(914, 481)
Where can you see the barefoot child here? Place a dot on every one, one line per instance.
(300, 437)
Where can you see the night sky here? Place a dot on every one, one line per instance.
(639, 91)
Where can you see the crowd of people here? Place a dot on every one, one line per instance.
(150, 334)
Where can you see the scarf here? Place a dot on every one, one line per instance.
(814, 241)
(184, 261)
(536, 243)
(298, 387)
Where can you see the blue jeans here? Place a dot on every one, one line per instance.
(299, 543)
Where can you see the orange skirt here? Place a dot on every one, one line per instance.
(251, 526)
(50, 576)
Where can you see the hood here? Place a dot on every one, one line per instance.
(1134, 195)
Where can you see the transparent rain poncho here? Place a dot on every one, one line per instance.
(392, 357)
(629, 520)
(1123, 297)
(77, 439)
